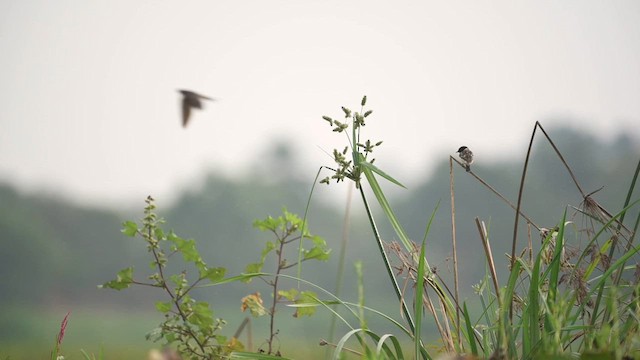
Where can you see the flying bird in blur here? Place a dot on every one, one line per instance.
(191, 100)
(467, 156)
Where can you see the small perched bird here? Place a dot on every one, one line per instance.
(466, 155)
(190, 100)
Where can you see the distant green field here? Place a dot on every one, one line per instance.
(30, 334)
(27, 334)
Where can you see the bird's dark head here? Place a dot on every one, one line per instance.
(462, 148)
(183, 92)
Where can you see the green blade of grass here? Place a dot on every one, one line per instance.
(382, 346)
(384, 204)
(507, 326)
(342, 342)
(386, 262)
(470, 333)
(557, 260)
(377, 170)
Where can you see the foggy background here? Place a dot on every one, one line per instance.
(90, 125)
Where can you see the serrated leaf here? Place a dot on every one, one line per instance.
(306, 297)
(288, 294)
(317, 240)
(268, 224)
(130, 228)
(188, 250)
(163, 307)
(123, 280)
(268, 247)
(317, 253)
(159, 233)
(251, 269)
(215, 274)
(291, 217)
(202, 315)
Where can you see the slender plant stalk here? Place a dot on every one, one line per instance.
(515, 224)
(564, 162)
(346, 224)
(455, 252)
(493, 190)
(387, 264)
(304, 223)
(626, 203)
(489, 254)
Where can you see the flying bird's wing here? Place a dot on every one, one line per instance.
(186, 111)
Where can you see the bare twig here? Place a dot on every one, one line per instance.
(564, 162)
(493, 190)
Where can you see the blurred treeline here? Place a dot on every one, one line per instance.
(54, 253)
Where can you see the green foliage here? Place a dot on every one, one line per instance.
(549, 307)
(287, 229)
(548, 304)
(189, 324)
(123, 280)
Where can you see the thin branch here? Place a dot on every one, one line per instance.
(385, 259)
(564, 162)
(493, 190)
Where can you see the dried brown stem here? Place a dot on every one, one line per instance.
(493, 190)
(455, 252)
(487, 250)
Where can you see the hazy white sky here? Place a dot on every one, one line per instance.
(89, 109)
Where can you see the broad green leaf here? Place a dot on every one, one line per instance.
(189, 251)
(215, 274)
(305, 297)
(268, 224)
(202, 315)
(317, 240)
(317, 253)
(159, 233)
(123, 280)
(163, 307)
(268, 247)
(130, 228)
(288, 294)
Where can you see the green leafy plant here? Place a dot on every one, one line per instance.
(288, 229)
(188, 323)
(361, 163)
(548, 306)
